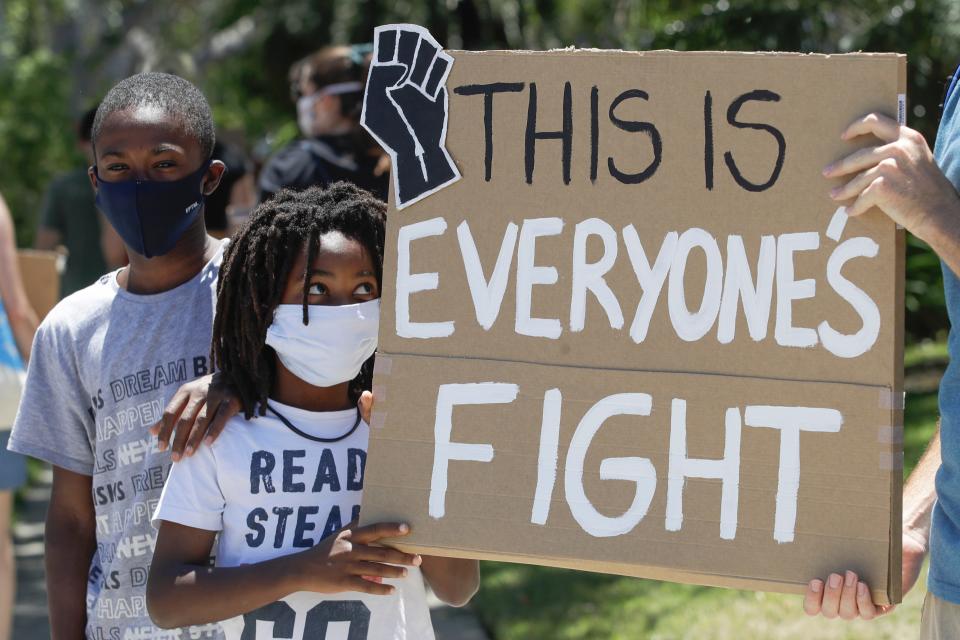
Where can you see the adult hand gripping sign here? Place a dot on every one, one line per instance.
(405, 109)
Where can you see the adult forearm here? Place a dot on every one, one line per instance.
(69, 550)
(189, 595)
(940, 227)
(24, 326)
(21, 315)
(453, 580)
(919, 493)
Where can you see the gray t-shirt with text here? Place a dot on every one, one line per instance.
(105, 363)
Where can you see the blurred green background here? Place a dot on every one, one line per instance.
(57, 57)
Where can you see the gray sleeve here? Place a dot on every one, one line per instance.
(53, 423)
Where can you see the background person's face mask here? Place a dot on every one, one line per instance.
(305, 114)
(332, 348)
(151, 215)
(306, 105)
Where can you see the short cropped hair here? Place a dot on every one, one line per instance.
(174, 95)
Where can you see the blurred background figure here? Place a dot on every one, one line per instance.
(328, 90)
(18, 323)
(237, 195)
(69, 218)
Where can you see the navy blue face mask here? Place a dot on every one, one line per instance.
(151, 215)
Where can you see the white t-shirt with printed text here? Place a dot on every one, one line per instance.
(271, 492)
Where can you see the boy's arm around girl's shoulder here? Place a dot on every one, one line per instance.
(199, 410)
(183, 589)
(196, 415)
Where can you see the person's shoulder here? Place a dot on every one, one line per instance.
(239, 434)
(65, 183)
(290, 154)
(83, 307)
(288, 167)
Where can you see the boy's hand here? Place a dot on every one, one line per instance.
(349, 561)
(198, 412)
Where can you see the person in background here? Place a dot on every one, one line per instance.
(328, 89)
(70, 218)
(237, 194)
(18, 323)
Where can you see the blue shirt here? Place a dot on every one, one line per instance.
(944, 577)
(9, 356)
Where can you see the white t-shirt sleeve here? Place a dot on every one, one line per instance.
(192, 495)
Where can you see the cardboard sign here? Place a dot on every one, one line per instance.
(637, 336)
(41, 278)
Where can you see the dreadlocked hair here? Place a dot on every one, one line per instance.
(256, 265)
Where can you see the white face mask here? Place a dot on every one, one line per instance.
(306, 111)
(305, 114)
(332, 348)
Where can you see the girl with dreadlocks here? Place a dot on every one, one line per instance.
(295, 332)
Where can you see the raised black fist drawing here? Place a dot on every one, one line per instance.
(405, 109)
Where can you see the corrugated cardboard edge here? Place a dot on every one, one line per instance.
(633, 571)
(895, 578)
(671, 52)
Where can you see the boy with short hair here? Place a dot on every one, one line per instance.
(108, 358)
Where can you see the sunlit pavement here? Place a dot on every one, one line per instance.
(30, 613)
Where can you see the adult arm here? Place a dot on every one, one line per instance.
(70, 544)
(453, 580)
(51, 225)
(47, 239)
(183, 590)
(900, 177)
(919, 496)
(22, 317)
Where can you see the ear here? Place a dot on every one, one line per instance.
(93, 177)
(211, 179)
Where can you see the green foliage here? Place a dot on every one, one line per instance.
(55, 56)
(36, 134)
